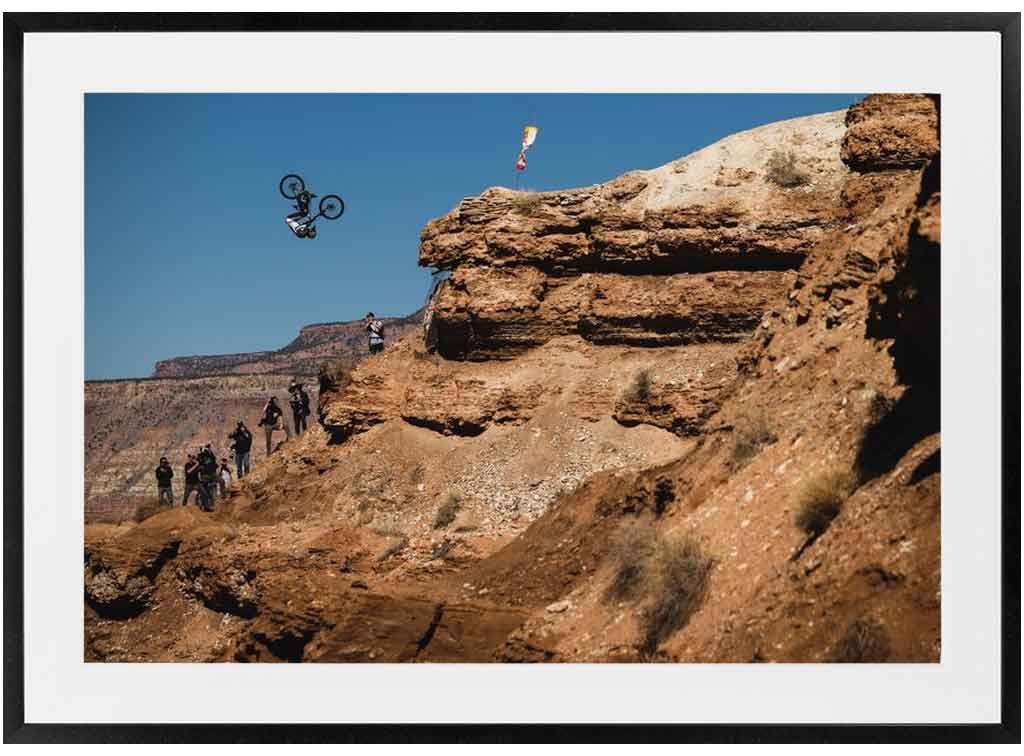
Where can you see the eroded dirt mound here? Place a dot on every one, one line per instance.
(683, 416)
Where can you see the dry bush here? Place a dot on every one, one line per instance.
(630, 552)
(639, 390)
(820, 499)
(396, 547)
(388, 529)
(526, 202)
(335, 375)
(664, 494)
(879, 407)
(147, 509)
(447, 511)
(865, 640)
(781, 169)
(681, 571)
(364, 512)
(752, 433)
(441, 549)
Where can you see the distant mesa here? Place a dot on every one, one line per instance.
(315, 344)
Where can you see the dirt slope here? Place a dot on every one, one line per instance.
(637, 388)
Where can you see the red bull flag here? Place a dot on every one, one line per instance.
(529, 137)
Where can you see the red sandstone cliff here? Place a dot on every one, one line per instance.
(638, 388)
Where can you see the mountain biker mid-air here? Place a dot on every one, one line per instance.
(302, 221)
(296, 221)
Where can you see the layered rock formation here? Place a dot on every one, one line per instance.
(714, 228)
(612, 454)
(687, 256)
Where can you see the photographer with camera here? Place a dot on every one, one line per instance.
(300, 406)
(272, 420)
(241, 444)
(209, 474)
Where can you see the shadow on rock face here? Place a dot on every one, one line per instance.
(913, 417)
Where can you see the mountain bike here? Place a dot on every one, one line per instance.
(302, 222)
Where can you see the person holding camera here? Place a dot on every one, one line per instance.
(241, 444)
(164, 473)
(209, 475)
(374, 333)
(192, 480)
(272, 420)
(300, 406)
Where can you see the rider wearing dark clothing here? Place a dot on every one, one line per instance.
(192, 479)
(242, 440)
(164, 473)
(294, 220)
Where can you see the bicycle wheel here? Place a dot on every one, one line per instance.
(291, 186)
(332, 206)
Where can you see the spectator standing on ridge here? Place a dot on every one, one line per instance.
(224, 476)
(192, 480)
(241, 441)
(375, 330)
(272, 420)
(208, 475)
(164, 473)
(300, 406)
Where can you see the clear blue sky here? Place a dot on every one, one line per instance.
(186, 249)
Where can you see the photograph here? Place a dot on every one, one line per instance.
(552, 377)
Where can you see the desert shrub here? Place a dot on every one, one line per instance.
(865, 640)
(820, 499)
(630, 552)
(364, 512)
(781, 169)
(681, 571)
(446, 512)
(335, 375)
(147, 509)
(441, 549)
(664, 494)
(526, 202)
(639, 389)
(752, 433)
(388, 529)
(879, 407)
(396, 547)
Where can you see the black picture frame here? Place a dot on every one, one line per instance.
(16, 25)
